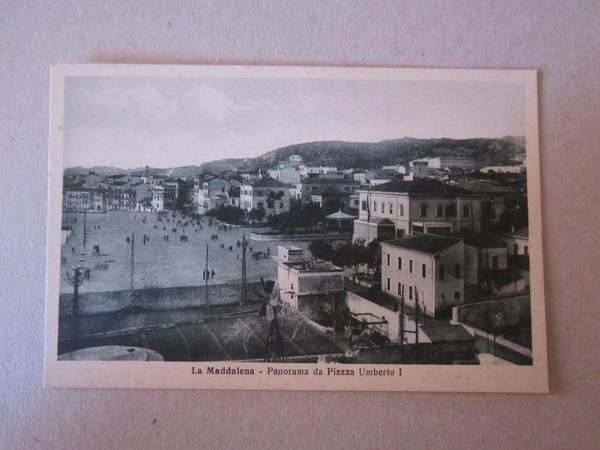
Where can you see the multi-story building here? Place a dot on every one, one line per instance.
(304, 283)
(288, 175)
(158, 195)
(402, 208)
(266, 194)
(77, 199)
(214, 193)
(306, 171)
(449, 162)
(318, 185)
(425, 270)
(119, 196)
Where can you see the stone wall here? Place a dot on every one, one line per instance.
(508, 311)
(156, 298)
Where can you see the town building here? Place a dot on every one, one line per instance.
(399, 168)
(401, 208)
(306, 283)
(288, 175)
(119, 196)
(326, 183)
(234, 196)
(425, 270)
(266, 194)
(306, 171)
(517, 242)
(78, 199)
(214, 193)
(449, 162)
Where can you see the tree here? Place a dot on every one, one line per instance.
(240, 331)
(321, 249)
(229, 214)
(291, 320)
(351, 255)
(374, 256)
(257, 214)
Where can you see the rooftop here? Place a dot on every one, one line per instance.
(425, 243)
(422, 186)
(482, 240)
(314, 266)
(268, 182)
(446, 333)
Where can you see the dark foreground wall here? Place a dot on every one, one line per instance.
(507, 312)
(156, 298)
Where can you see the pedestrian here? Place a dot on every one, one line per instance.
(212, 273)
(73, 250)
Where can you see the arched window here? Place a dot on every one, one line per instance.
(451, 210)
(423, 210)
(440, 211)
(465, 210)
(401, 210)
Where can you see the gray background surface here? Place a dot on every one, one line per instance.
(560, 38)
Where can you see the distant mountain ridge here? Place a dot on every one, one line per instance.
(346, 155)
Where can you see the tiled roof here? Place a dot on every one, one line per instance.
(482, 240)
(424, 186)
(426, 243)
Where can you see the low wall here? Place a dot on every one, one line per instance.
(360, 305)
(299, 237)
(508, 311)
(156, 298)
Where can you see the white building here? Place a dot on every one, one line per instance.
(426, 270)
(213, 194)
(269, 195)
(305, 283)
(401, 208)
(310, 170)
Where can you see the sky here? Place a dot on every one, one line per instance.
(169, 122)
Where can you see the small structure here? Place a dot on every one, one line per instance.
(305, 283)
(340, 221)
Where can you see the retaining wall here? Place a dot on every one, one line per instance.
(156, 298)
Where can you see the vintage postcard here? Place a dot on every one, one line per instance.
(301, 228)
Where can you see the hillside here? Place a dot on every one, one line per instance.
(366, 155)
(345, 155)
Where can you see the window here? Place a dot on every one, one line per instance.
(423, 210)
(363, 205)
(465, 210)
(410, 292)
(401, 210)
(451, 210)
(391, 209)
(399, 289)
(526, 250)
(387, 284)
(374, 206)
(495, 262)
(382, 207)
(399, 263)
(424, 270)
(457, 295)
(388, 259)
(440, 211)
(410, 265)
(516, 249)
(281, 205)
(442, 273)
(457, 271)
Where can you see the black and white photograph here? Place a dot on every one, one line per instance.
(295, 228)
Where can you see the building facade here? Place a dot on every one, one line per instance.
(426, 270)
(416, 207)
(266, 194)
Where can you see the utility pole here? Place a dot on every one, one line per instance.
(402, 326)
(85, 230)
(416, 326)
(76, 280)
(244, 293)
(206, 277)
(132, 271)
